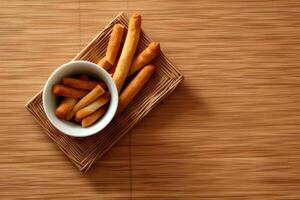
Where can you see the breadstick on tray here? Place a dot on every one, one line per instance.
(128, 51)
(135, 86)
(61, 90)
(65, 107)
(89, 98)
(145, 57)
(104, 64)
(92, 118)
(101, 101)
(81, 84)
(114, 43)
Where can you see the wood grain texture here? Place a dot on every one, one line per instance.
(230, 131)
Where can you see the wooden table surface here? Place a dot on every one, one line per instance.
(231, 130)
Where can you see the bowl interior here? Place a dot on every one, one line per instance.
(50, 100)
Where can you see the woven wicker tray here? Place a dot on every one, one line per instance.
(84, 152)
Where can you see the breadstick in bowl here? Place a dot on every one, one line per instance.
(128, 51)
(92, 118)
(64, 110)
(89, 98)
(135, 86)
(61, 90)
(145, 57)
(81, 84)
(65, 107)
(84, 77)
(101, 101)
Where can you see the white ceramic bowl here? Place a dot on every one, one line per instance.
(50, 100)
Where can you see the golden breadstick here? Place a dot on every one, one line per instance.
(84, 77)
(89, 98)
(114, 43)
(113, 47)
(128, 51)
(89, 120)
(61, 90)
(81, 84)
(104, 64)
(65, 107)
(145, 57)
(71, 113)
(101, 101)
(135, 86)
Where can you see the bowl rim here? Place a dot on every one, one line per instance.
(110, 82)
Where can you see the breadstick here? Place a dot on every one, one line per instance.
(65, 107)
(89, 98)
(128, 51)
(104, 64)
(84, 77)
(102, 100)
(135, 86)
(71, 113)
(61, 90)
(113, 47)
(89, 120)
(81, 84)
(145, 57)
(114, 43)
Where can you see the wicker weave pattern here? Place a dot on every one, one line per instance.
(84, 152)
